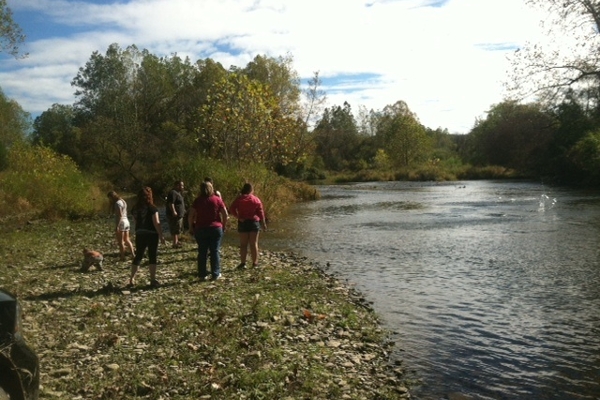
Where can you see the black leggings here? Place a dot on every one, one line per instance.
(143, 240)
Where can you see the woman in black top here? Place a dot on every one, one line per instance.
(147, 234)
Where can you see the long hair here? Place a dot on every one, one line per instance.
(206, 189)
(144, 198)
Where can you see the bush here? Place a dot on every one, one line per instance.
(39, 180)
(275, 191)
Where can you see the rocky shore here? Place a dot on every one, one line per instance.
(284, 330)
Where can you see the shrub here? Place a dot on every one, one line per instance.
(38, 179)
(275, 191)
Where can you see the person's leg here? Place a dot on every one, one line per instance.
(127, 240)
(152, 257)
(140, 244)
(253, 242)
(202, 240)
(173, 230)
(121, 243)
(215, 257)
(244, 238)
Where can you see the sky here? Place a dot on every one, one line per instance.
(447, 59)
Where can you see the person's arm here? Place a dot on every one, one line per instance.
(233, 208)
(261, 214)
(156, 222)
(224, 217)
(171, 203)
(192, 220)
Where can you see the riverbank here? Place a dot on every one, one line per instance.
(284, 330)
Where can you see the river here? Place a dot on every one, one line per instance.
(492, 289)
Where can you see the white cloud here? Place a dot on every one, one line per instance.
(437, 59)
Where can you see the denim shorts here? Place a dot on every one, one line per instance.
(248, 225)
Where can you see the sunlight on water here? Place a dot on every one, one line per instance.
(490, 298)
(546, 203)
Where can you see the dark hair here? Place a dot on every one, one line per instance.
(247, 188)
(208, 179)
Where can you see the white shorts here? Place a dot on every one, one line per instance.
(123, 225)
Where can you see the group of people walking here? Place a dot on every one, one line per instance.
(207, 221)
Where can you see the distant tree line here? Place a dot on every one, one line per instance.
(136, 112)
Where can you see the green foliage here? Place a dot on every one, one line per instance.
(15, 123)
(275, 191)
(488, 172)
(11, 35)
(513, 135)
(403, 137)
(336, 138)
(3, 157)
(38, 179)
(585, 154)
(367, 175)
(243, 123)
(279, 76)
(55, 128)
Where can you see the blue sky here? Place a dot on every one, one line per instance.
(446, 59)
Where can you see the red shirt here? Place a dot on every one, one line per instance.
(247, 206)
(208, 212)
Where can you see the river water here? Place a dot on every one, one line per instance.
(492, 288)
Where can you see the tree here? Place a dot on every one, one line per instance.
(11, 35)
(55, 128)
(15, 123)
(568, 60)
(315, 98)
(402, 136)
(336, 138)
(585, 154)
(513, 135)
(279, 76)
(241, 123)
(112, 128)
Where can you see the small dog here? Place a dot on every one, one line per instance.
(91, 257)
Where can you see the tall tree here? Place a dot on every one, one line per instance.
(107, 96)
(402, 136)
(15, 124)
(242, 123)
(568, 60)
(11, 35)
(513, 135)
(336, 138)
(315, 99)
(278, 75)
(55, 128)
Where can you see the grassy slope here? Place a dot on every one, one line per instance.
(245, 336)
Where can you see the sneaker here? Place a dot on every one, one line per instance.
(255, 265)
(216, 277)
(241, 266)
(154, 283)
(203, 278)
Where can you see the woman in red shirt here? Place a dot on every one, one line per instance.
(248, 209)
(207, 219)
